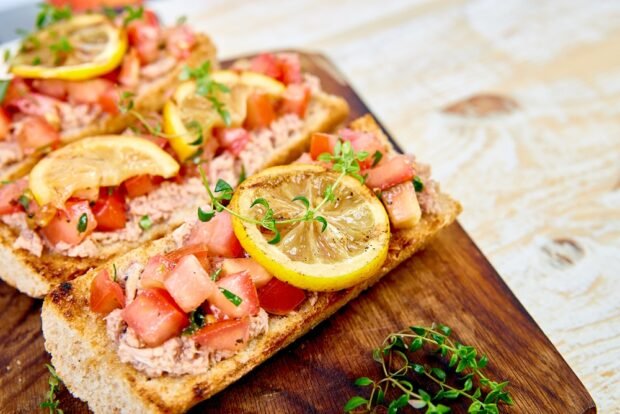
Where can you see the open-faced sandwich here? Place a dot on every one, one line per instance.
(69, 73)
(100, 196)
(168, 325)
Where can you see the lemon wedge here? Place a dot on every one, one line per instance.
(83, 47)
(352, 248)
(95, 162)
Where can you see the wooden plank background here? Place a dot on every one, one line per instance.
(537, 166)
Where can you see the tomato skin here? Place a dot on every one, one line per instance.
(55, 88)
(229, 335)
(110, 211)
(267, 64)
(129, 74)
(155, 317)
(10, 193)
(259, 275)
(64, 226)
(18, 88)
(179, 41)
(233, 139)
(321, 143)
(241, 285)
(87, 92)
(189, 284)
(401, 204)
(35, 133)
(295, 99)
(108, 101)
(141, 185)
(363, 141)
(5, 124)
(200, 251)
(218, 235)
(105, 294)
(260, 112)
(155, 272)
(279, 298)
(144, 35)
(396, 170)
(290, 66)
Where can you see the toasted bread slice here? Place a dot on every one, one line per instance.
(87, 362)
(152, 99)
(36, 276)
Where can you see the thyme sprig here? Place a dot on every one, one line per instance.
(51, 403)
(344, 160)
(208, 87)
(49, 14)
(400, 371)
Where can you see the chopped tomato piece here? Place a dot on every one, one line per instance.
(36, 132)
(364, 141)
(322, 143)
(267, 64)
(401, 204)
(236, 296)
(105, 294)
(5, 124)
(260, 112)
(179, 41)
(259, 275)
(155, 317)
(189, 284)
(64, 227)
(155, 272)
(229, 335)
(129, 74)
(89, 91)
(55, 88)
(37, 104)
(218, 235)
(144, 35)
(141, 184)
(396, 170)
(110, 210)
(233, 139)
(109, 100)
(10, 193)
(290, 67)
(295, 99)
(17, 89)
(280, 298)
(200, 251)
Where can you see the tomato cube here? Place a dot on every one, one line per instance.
(396, 170)
(402, 205)
(322, 143)
(229, 335)
(105, 294)
(155, 272)
(189, 284)
(260, 112)
(295, 99)
(218, 235)
(36, 133)
(236, 296)
(259, 275)
(280, 298)
(68, 226)
(10, 193)
(110, 211)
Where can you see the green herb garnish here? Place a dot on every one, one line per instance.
(242, 175)
(115, 275)
(208, 87)
(181, 20)
(197, 320)
(7, 55)
(401, 372)
(82, 223)
(216, 274)
(234, 299)
(49, 14)
(51, 403)
(61, 48)
(24, 201)
(145, 222)
(4, 86)
(376, 158)
(36, 61)
(418, 184)
(133, 14)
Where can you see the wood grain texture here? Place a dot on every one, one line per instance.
(450, 282)
(540, 184)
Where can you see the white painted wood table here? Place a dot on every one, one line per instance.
(537, 166)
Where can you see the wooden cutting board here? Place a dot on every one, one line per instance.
(450, 282)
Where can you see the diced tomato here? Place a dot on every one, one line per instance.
(159, 141)
(218, 235)
(260, 276)
(37, 104)
(280, 298)
(295, 99)
(229, 335)
(155, 272)
(141, 184)
(129, 74)
(321, 143)
(363, 141)
(180, 40)
(5, 124)
(110, 210)
(89, 91)
(200, 251)
(36, 132)
(10, 193)
(108, 101)
(144, 35)
(64, 226)
(189, 284)
(290, 67)
(155, 317)
(260, 112)
(55, 88)
(17, 89)
(241, 286)
(396, 170)
(267, 64)
(105, 294)
(233, 139)
(401, 204)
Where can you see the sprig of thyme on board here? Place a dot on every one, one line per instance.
(51, 403)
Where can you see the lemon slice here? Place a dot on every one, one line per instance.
(352, 248)
(83, 47)
(96, 162)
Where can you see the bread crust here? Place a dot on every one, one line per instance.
(87, 362)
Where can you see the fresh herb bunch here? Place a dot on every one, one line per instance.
(49, 14)
(399, 370)
(51, 403)
(344, 160)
